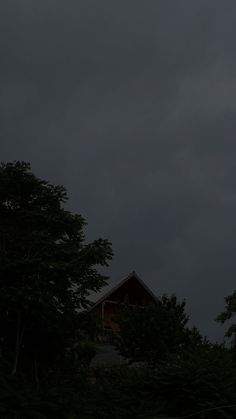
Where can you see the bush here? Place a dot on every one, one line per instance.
(202, 379)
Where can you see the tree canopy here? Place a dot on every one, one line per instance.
(46, 268)
(228, 314)
(149, 334)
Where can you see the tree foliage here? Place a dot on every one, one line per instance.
(200, 380)
(46, 270)
(227, 314)
(200, 383)
(149, 334)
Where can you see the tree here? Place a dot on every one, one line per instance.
(149, 334)
(229, 313)
(46, 270)
(200, 383)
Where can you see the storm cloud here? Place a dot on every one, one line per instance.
(132, 106)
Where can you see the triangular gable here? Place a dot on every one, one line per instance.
(114, 288)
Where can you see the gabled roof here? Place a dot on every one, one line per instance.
(98, 298)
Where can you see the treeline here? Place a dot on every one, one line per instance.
(47, 270)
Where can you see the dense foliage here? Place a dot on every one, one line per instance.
(200, 383)
(201, 380)
(228, 314)
(46, 271)
(150, 334)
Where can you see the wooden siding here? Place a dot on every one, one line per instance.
(130, 293)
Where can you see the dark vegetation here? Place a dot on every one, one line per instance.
(46, 342)
(151, 334)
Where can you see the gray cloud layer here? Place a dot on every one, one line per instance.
(131, 105)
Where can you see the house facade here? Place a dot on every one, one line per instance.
(130, 291)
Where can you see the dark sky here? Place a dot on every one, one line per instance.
(132, 106)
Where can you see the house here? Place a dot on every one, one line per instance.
(130, 291)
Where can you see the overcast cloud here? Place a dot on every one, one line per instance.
(132, 106)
